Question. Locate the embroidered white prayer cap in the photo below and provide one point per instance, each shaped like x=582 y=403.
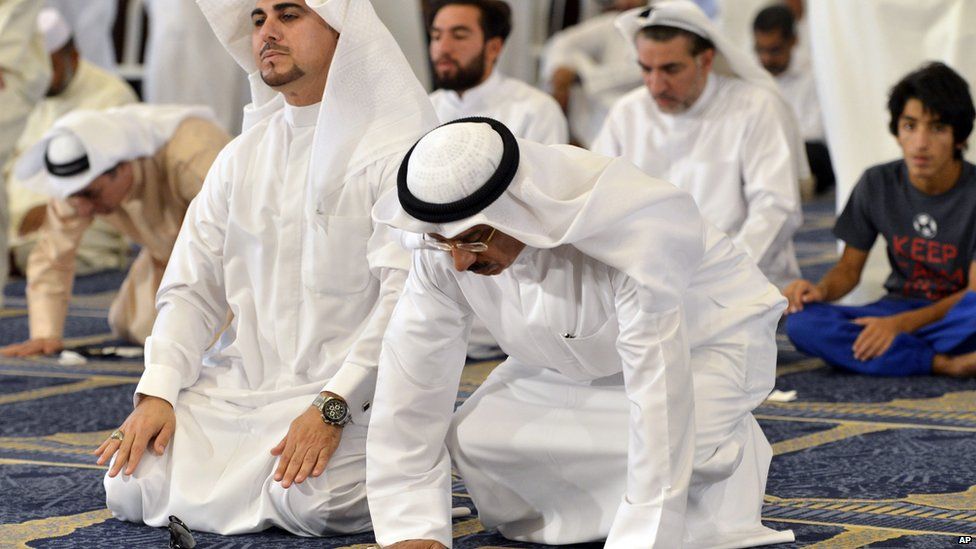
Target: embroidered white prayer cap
x=84 y=144
x=453 y=162
x=54 y=28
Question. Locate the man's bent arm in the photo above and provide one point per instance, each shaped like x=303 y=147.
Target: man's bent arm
x=51 y=270
x=657 y=374
x=845 y=275
x=388 y=262
x=771 y=186
x=191 y=303
x=408 y=469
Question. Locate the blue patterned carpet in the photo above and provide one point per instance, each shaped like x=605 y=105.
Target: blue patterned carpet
x=860 y=462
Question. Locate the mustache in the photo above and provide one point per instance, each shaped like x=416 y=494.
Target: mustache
x=271 y=46
x=449 y=59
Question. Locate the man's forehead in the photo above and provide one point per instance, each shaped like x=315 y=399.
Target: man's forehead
x=457 y=15
x=264 y=6
x=673 y=50
x=917 y=110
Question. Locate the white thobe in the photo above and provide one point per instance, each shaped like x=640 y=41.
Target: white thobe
x=602 y=60
x=311 y=288
x=209 y=76
x=731 y=152
x=528 y=112
x=798 y=88
x=91 y=88
x=91 y=23
x=542 y=445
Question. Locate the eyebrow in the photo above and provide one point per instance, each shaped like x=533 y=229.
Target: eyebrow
x=278 y=7
x=455 y=28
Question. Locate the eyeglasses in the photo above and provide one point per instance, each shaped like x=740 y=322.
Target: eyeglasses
x=448 y=246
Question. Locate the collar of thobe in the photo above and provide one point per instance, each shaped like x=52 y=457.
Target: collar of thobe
x=730 y=60
x=373 y=106
x=606 y=208
x=302 y=117
x=482 y=94
x=108 y=136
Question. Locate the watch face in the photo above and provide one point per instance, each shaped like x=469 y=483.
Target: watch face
x=334 y=410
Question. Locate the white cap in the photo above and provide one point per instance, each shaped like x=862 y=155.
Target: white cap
x=453 y=161
x=65 y=148
x=56 y=31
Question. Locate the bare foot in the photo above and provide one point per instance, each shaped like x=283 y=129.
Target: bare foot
x=955 y=365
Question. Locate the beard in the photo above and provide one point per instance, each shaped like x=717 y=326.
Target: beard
x=465 y=77
x=274 y=79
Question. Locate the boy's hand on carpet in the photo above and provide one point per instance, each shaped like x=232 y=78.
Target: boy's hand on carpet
x=800 y=292
x=306 y=449
x=152 y=423
x=876 y=337
x=33 y=347
x=417 y=544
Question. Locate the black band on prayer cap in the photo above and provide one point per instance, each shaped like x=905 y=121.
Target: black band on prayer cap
x=475 y=202
x=74 y=167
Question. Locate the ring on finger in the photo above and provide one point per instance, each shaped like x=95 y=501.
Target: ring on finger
x=117 y=435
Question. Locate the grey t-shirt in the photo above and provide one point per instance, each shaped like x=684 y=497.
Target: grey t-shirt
x=931 y=238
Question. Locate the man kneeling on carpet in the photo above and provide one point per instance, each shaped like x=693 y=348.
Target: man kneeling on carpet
x=924 y=206
x=137 y=167
x=639 y=341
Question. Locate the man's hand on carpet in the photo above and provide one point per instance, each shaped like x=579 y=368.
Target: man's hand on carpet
x=876 y=337
x=33 y=347
x=801 y=292
x=306 y=449
x=417 y=544
x=153 y=422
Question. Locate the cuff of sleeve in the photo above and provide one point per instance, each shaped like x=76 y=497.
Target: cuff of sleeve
x=416 y=514
x=159 y=381
x=645 y=525
x=355 y=384
x=46 y=319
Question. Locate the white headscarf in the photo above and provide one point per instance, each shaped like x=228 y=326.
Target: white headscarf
x=606 y=208
x=729 y=59
x=373 y=105
x=108 y=137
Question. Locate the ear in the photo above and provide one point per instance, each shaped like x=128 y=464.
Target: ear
x=707 y=58
x=493 y=49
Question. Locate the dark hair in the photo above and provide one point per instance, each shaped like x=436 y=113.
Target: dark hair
x=776 y=18
x=665 y=33
x=495 y=20
x=943 y=93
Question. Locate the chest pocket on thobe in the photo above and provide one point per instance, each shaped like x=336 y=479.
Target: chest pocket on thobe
x=334 y=259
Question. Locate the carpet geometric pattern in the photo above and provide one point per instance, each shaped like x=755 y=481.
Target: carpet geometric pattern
x=859 y=462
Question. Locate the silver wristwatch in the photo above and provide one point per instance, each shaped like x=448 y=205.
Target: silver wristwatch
x=334 y=410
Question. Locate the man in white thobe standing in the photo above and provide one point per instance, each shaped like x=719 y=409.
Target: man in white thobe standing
x=267 y=425
x=639 y=339
x=466 y=39
x=730 y=141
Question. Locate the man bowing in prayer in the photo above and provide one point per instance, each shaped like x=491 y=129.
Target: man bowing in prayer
x=267 y=425
x=728 y=139
x=639 y=341
x=136 y=168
